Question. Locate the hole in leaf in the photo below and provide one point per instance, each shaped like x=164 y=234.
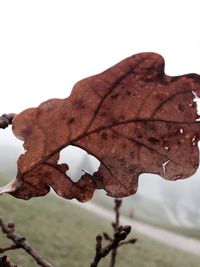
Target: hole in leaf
x=78 y=161
x=197 y=101
x=164 y=166
x=167 y=148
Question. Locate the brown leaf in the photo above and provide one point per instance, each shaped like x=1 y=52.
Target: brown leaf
x=133 y=118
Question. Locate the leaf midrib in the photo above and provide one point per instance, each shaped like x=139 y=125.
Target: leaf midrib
x=109 y=126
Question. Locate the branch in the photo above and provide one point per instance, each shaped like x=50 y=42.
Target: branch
x=118 y=239
x=103 y=252
x=6 y=120
x=20 y=242
x=115 y=226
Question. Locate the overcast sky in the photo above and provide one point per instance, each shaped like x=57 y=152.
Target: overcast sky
x=47 y=46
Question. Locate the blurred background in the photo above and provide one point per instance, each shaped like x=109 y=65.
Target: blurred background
x=45 y=48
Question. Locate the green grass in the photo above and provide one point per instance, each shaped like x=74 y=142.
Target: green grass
x=144 y=209
x=147 y=211
x=65 y=235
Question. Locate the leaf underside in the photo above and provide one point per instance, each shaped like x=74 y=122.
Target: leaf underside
x=133 y=118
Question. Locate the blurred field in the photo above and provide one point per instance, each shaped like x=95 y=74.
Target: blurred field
x=65 y=235
x=148 y=211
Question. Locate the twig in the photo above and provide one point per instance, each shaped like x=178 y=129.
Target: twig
x=20 y=242
x=115 y=226
x=103 y=252
x=5 y=262
x=118 y=239
x=130 y=241
x=6 y=120
x=11 y=247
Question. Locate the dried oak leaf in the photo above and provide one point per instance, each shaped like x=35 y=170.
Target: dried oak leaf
x=133 y=118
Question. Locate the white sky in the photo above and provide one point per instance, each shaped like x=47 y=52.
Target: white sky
x=47 y=46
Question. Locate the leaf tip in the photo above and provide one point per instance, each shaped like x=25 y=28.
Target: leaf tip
x=10 y=187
